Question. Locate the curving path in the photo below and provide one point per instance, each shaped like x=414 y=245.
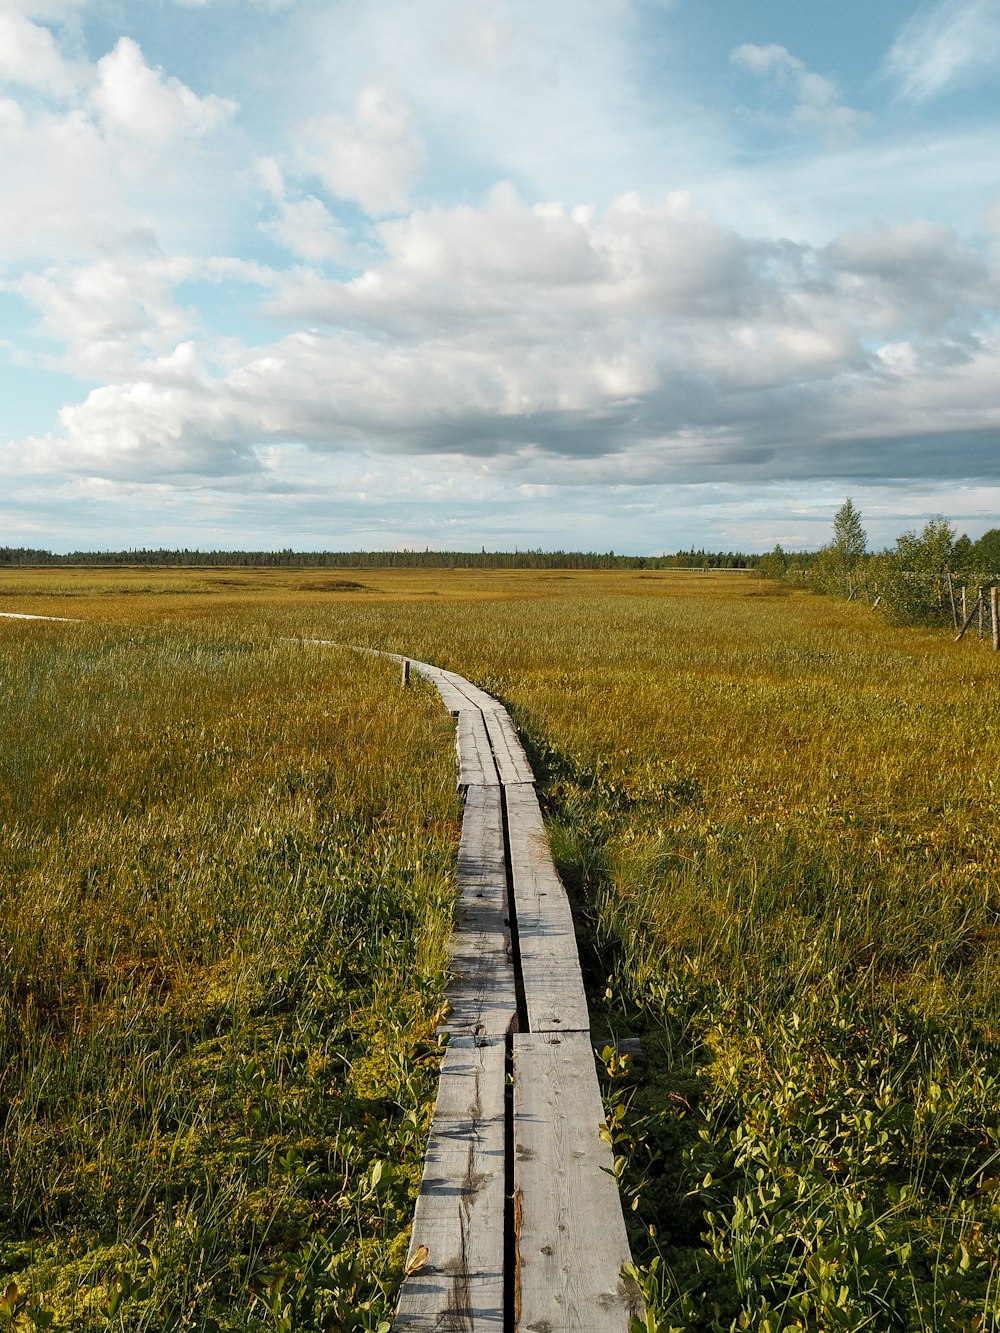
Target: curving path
x=518 y=1209
x=518 y=1224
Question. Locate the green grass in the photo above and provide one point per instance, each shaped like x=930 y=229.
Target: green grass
x=782 y=814
x=225 y=895
x=780 y=817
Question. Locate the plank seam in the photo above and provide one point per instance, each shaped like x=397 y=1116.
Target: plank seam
x=515 y=939
x=511 y=1221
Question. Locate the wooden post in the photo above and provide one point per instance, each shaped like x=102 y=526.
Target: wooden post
x=965 y=609
x=996 y=619
x=976 y=606
x=406 y=672
x=982 y=610
x=951 y=599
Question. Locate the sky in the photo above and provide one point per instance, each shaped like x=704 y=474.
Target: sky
x=637 y=275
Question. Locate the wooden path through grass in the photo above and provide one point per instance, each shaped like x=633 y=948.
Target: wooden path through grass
x=780 y=813
x=519 y=1223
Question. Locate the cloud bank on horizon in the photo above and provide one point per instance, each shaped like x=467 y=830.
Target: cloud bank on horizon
x=463 y=272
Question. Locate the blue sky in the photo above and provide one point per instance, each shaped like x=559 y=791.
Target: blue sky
x=638 y=274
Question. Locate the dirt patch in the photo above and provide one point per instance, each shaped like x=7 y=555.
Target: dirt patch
x=336 y=585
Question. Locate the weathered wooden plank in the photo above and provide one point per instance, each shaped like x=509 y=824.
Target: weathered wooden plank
x=470 y=764
x=460 y=1209
x=550 y=962
x=475 y=755
x=477 y=697
x=481 y=995
x=512 y=762
x=25 y=615
x=572 y=1242
x=453 y=699
x=571 y=1239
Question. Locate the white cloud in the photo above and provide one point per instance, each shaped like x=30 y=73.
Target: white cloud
x=917 y=275
x=30 y=57
x=817 y=105
x=373 y=158
x=945 y=44
x=494 y=339
x=169 y=423
x=115 y=316
x=642 y=342
x=305 y=227
x=57 y=177
x=773 y=60
x=565 y=107
x=134 y=100
x=117 y=157
x=537 y=265
x=111 y=313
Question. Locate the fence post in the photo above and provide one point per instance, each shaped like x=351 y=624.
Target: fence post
x=982 y=611
x=951 y=599
x=976 y=606
x=965 y=609
x=406 y=672
x=996 y=620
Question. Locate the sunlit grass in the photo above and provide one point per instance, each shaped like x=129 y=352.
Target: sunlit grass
x=782 y=816
x=225 y=897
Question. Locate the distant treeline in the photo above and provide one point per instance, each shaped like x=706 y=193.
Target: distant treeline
x=288 y=559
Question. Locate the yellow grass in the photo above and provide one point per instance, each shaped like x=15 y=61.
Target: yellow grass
x=782 y=815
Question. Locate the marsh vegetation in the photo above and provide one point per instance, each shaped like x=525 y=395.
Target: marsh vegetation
x=225 y=897
x=225 y=903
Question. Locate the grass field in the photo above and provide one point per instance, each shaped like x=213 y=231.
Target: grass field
x=223 y=852
x=225 y=898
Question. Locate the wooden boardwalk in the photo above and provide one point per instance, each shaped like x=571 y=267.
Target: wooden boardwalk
x=518 y=1225
x=519 y=1222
